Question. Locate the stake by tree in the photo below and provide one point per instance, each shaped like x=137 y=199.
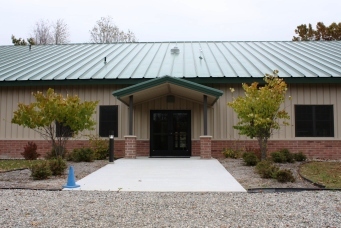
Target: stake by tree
x=259 y=110
x=56 y=118
x=105 y=31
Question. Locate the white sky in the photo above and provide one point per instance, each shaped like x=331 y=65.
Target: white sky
x=172 y=20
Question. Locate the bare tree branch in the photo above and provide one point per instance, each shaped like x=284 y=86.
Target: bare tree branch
x=60 y=32
x=42 y=33
x=105 y=31
x=51 y=33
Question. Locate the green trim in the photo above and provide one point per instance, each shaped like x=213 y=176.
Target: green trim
x=72 y=82
x=291 y=80
x=218 y=80
x=158 y=81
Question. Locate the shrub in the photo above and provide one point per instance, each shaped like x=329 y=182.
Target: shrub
x=30 y=151
x=56 y=152
x=100 y=147
x=230 y=153
x=82 y=155
x=289 y=157
x=57 y=166
x=284 y=176
x=282 y=156
x=300 y=156
x=250 y=158
x=40 y=170
x=256 y=151
x=278 y=157
x=266 y=169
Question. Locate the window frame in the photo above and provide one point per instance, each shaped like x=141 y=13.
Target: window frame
x=314 y=122
x=102 y=123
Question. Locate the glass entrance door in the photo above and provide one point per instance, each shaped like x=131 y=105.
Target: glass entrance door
x=170 y=133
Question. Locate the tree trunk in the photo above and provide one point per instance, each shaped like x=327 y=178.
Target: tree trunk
x=263 y=143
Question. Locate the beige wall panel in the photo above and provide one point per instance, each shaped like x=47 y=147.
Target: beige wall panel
x=3 y=112
x=223 y=121
x=336 y=99
x=221 y=117
x=327 y=90
x=10 y=97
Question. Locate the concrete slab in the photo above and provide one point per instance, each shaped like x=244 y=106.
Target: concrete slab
x=161 y=175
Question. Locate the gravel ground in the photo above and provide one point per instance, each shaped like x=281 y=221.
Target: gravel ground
x=32 y=208
x=247 y=177
x=23 y=179
x=39 y=208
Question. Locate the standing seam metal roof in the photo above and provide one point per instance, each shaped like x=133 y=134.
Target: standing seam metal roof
x=154 y=59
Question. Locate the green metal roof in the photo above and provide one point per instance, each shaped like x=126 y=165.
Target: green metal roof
x=191 y=60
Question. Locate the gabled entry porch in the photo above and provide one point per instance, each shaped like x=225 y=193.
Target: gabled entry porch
x=170 y=125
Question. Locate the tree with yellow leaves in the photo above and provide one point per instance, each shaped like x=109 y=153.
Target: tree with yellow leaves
x=56 y=118
x=259 y=110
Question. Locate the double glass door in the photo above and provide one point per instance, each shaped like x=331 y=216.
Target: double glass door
x=170 y=133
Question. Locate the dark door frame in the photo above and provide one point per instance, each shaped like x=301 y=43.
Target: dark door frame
x=171 y=151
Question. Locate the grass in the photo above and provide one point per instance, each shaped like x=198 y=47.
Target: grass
x=325 y=173
x=8 y=165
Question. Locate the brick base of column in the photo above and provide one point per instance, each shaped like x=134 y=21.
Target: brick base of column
x=205 y=147
x=130 y=146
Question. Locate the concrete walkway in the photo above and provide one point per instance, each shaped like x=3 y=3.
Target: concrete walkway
x=161 y=175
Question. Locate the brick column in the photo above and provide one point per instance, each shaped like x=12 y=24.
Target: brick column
x=205 y=147
x=130 y=146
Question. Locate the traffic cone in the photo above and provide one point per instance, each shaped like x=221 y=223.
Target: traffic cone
x=71 y=180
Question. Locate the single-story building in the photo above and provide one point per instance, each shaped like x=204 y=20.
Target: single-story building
x=169 y=99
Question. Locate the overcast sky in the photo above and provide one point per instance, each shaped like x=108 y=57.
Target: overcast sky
x=171 y=20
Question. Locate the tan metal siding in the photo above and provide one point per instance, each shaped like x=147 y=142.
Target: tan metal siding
x=11 y=96
x=224 y=119
x=221 y=118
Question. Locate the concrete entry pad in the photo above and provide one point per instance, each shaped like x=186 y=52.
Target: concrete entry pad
x=162 y=175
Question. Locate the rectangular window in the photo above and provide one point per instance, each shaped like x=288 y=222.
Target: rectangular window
x=314 y=121
x=108 y=120
x=63 y=131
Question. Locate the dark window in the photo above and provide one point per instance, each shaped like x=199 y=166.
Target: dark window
x=108 y=120
x=63 y=131
x=314 y=121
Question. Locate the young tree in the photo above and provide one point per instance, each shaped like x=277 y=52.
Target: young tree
x=105 y=31
x=56 y=118
x=259 y=111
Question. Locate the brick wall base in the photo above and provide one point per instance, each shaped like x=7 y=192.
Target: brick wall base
x=10 y=149
x=205 y=147
x=323 y=149
x=130 y=148
x=313 y=149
